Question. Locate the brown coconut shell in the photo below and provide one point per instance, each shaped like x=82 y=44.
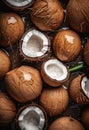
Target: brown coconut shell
x=78 y=16
x=47 y=15
x=24 y=83
x=7 y=109
x=54 y=100
x=66 y=123
x=86 y=53
x=11 y=29
x=76 y=91
x=4 y=63
x=66 y=45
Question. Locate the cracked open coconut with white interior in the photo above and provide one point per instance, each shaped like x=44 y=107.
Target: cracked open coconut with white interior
x=54 y=72
x=34 y=46
x=79 y=89
x=31 y=117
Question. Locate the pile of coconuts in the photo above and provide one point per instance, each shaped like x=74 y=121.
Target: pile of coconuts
x=44 y=65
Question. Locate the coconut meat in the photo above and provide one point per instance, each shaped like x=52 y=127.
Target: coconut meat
x=35 y=44
x=31 y=118
x=85 y=86
x=55 y=69
x=19 y=3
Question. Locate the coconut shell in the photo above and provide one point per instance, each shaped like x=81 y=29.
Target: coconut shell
x=78 y=15
x=24 y=83
x=66 y=123
x=4 y=63
x=7 y=109
x=11 y=29
x=66 y=45
x=54 y=100
x=86 y=53
x=76 y=91
x=47 y=15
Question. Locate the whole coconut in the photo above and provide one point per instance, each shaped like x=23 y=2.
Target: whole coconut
x=47 y=15
x=66 y=123
x=78 y=15
x=7 y=109
x=24 y=83
x=11 y=29
x=86 y=53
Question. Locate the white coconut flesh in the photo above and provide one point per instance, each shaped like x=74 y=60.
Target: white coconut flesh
x=85 y=86
x=35 y=44
x=55 y=69
x=19 y=3
x=31 y=118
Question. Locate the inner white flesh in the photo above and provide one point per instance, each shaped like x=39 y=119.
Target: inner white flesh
x=31 y=118
x=85 y=86
x=19 y=3
x=55 y=69
x=35 y=44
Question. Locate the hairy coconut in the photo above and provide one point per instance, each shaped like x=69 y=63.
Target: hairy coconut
x=78 y=16
x=47 y=15
x=86 y=53
x=24 y=83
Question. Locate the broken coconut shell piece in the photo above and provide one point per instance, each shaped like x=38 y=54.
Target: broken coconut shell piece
x=54 y=72
x=34 y=46
x=18 y=5
x=79 y=89
x=31 y=117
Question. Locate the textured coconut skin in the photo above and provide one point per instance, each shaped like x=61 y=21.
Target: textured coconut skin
x=47 y=15
x=66 y=123
x=78 y=16
x=76 y=91
x=7 y=109
x=64 y=49
x=4 y=63
x=11 y=29
x=86 y=53
x=21 y=89
x=55 y=100
x=85 y=117
x=49 y=80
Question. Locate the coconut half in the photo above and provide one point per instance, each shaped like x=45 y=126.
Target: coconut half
x=34 y=45
x=31 y=117
x=85 y=85
x=54 y=72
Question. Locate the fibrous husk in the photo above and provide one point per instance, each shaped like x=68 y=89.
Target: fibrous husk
x=86 y=53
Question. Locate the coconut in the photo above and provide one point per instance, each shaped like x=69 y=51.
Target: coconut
x=66 y=123
x=54 y=72
x=66 y=45
x=54 y=100
x=11 y=29
x=79 y=89
x=47 y=15
x=86 y=53
x=24 y=83
x=34 y=46
x=31 y=117
x=78 y=16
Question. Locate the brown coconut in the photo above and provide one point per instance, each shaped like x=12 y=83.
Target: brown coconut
x=86 y=53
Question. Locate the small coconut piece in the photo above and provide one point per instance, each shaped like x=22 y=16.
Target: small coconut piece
x=34 y=46
x=86 y=53
x=11 y=29
x=24 y=83
x=66 y=45
x=31 y=117
x=7 y=109
x=54 y=100
x=54 y=72
x=18 y=5
x=85 y=117
x=47 y=15
x=66 y=123
x=79 y=89
x=78 y=16
x=4 y=63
